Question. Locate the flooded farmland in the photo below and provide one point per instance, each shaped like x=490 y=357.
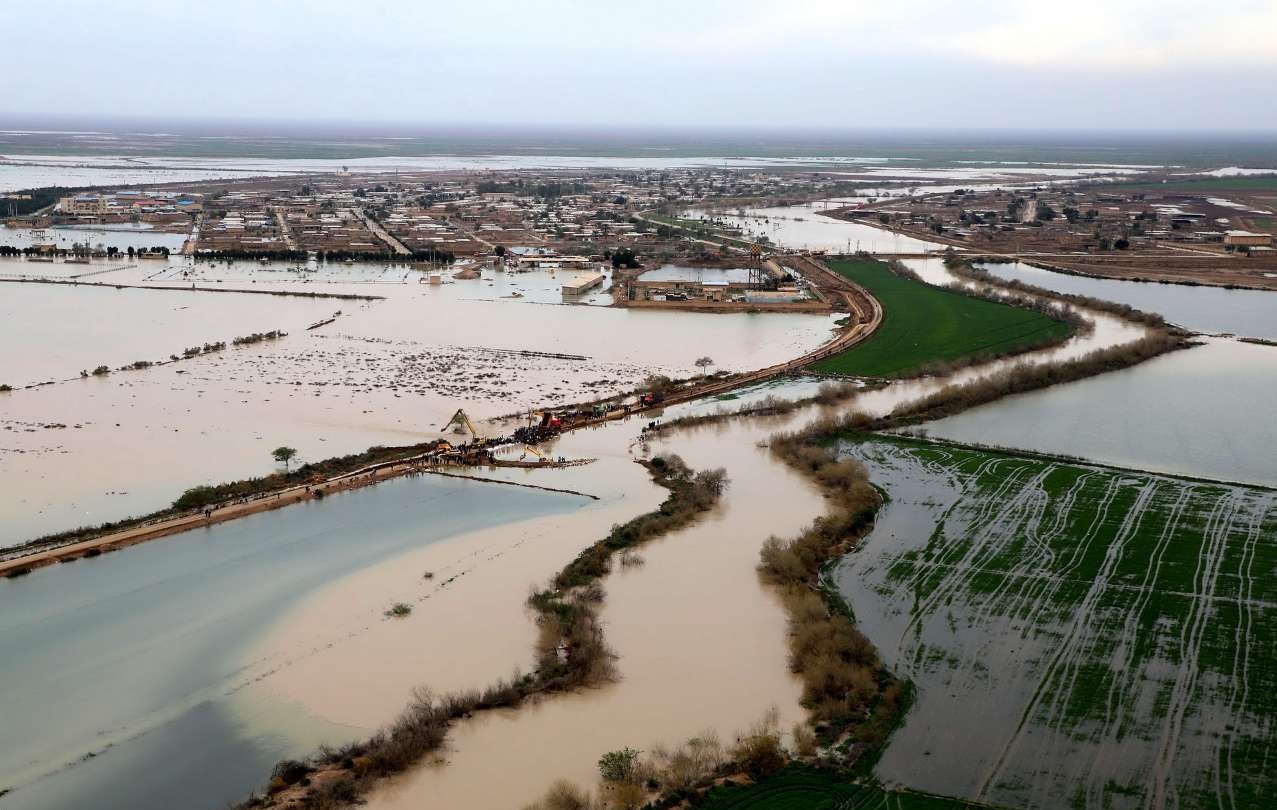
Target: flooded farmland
x=1102 y=629
x=384 y=372
x=1016 y=594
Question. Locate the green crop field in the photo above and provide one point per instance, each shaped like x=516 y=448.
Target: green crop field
x=1078 y=636
x=924 y=324
x=800 y=788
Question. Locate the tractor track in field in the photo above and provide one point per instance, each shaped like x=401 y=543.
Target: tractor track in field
x=1098 y=626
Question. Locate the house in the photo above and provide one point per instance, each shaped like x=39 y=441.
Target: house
x=1247 y=239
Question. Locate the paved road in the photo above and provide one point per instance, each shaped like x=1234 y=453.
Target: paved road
x=285 y=231
x=382 y=234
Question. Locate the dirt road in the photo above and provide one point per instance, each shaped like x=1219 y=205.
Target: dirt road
x=866 y=317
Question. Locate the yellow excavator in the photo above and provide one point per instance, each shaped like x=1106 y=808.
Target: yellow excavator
x=527 y=448
x=461 y=423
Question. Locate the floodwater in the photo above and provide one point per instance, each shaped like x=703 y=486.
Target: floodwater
x=672 y=641
x=1198 y=412
x=804 y=227
x=701 y=644
x=307 y=631
x=673 y=272
x=1076 y=635
x=1249 y=313
x=131 y=679
x=1205 y=412
x=81 y=328
x=20 y=171
x=328 y=665
x=122 y=236
x=385 y=372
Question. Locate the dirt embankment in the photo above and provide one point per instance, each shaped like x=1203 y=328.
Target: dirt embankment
x=242 y=507
x=866 y=316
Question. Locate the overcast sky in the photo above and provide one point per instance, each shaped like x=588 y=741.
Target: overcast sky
x=1162 y=64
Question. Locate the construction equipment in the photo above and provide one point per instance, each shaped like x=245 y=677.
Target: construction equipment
x=527 y=448
x=460 y=423
x=535 y=433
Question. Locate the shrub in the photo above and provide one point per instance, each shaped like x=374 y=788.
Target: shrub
x=618 y=766
x=760 y=754
x=804 y=741
x=399 y=610
x=563 y=795
x=290 y=771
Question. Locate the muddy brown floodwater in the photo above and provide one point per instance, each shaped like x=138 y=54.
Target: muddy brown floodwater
x=701 y=642
x=385 y=372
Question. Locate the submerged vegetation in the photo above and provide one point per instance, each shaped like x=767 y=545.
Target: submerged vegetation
x=1075 y=597
x=803 y=787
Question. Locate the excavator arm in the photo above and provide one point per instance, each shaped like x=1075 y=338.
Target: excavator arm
x=461 y=420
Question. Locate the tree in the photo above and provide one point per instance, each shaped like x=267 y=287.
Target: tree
x=618 y=766
x=624 y=257
x=703 y=363
x=284 y=455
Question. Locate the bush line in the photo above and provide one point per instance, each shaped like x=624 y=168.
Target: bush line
x=570 y=649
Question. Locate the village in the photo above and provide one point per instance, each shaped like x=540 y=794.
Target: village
x=453 y=224
x=1203 y=231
